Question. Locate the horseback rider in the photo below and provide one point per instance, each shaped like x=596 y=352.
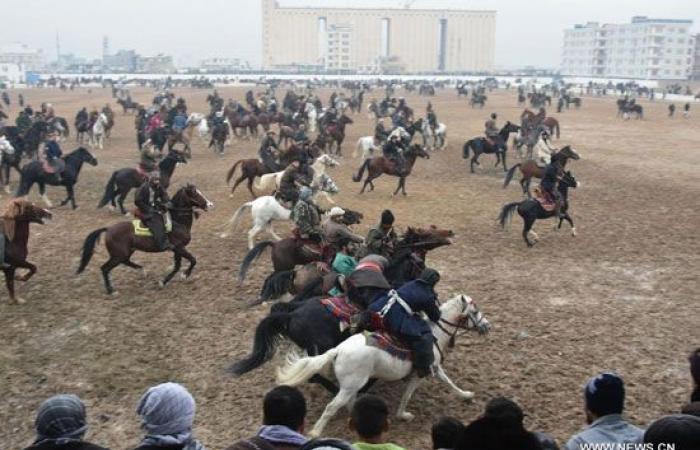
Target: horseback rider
x=491 y=131
x=140 y=123
x=24 y=121
x=268 y=152
x=432 y=118
x=398 y=311
x=306 y=217
x=548 y=185
x=335 y=231
x=81 y=117
x=393 y=150
x=179 y=121
x=293 y=177
x=149 y=159
x=53 y=153
x=343 y=264
x=152 y=201
x=382 y=240
x=380 y=133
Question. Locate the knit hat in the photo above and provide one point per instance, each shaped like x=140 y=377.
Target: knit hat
x=387 y=217
x=605 y=394
x=679 y=429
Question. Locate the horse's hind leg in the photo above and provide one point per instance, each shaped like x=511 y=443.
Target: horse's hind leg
x=106 y=269
x=568 y=218
x=120 y=200
x=398 y=187
x=527 y=229
x=344 y=396
x=44 y=197
x=401 y=413
x=238 y=181
x=192 y=260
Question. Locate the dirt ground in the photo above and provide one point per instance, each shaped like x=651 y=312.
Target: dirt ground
x=622 y=295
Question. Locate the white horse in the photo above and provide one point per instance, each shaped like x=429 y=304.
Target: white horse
x=270 y=182
x=267 y=209
x=439 y=138
x=355 y=363
x=196 y=121
x=6 y=148
x=97 y=133
x=366 y=145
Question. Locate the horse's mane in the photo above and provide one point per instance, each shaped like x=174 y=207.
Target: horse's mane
x=15 y=208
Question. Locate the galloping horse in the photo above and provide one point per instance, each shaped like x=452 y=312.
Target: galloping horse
x=124 y=180
x=122 y=240
x=550 y=122
x=128 y=105
x=34 y=172
x=529 y=169
x=250 y=170
x=381 y=165
x=19 y=214
x=336 y=133
x=219 y=135
x=530 y=210
x=480 y=145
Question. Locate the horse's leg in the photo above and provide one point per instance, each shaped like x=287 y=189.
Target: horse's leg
x=568 y=218
x=527 y=187
x=398 y=186
x=120 y=200
x=106 y=269
x=440 y=372
x=10 y=283
x=251 y=235
x=176 y=268
x=272 y=231
x=192 y=260
x=475 y=159
x=411 y=387
x=25 y=265
x=133 y=265
x=504 y=161
x=341 y=399
x=238 y=181
x=403 y=185
x=527 y=229
x=44 y=197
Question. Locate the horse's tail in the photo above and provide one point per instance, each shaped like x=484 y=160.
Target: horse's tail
x=89 y=248
x=509 y=175
x=465 y=149
x=299 y=370
x=507 y=213
x=233 y=221
x=556 y=127
x=109 y=190
x=276 y=285
x=252 y=256
x=267 y=335
x=229 y=175
x=358 y=176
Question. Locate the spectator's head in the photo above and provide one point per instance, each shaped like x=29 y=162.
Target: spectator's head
x=680 y=429
x=387 y=219
x=61 y=419
x=489 y=433
x=506 y=410
x=167 y=410
x=286 y=406
x=694 y=360
x=445 y=432
x=327 y=444
x=370 y=418
x=604 y=394
x=692 y=409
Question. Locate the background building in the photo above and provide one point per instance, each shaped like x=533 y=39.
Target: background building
x=645 y=49
x=348 y=39
x=26 y=57
x=695 y=73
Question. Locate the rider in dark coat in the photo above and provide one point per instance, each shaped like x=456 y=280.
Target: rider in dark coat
x=292 y=178
x=380 y=133
x=393 y=150
x=152 y=202
x=549 y=183
x=399 y=313
x=53 y=153
x=266 y=152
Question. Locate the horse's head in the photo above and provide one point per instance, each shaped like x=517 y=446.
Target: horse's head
x=568 y=152
x=85 y=156
x=24 y=210
x=462 y=312
x=189 y=196
x=345 y=120
x=510 y=127
x=426 y=238
x=417 y=151
x=178 y=156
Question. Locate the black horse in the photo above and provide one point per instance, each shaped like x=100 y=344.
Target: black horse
x=480 y=145
x=33 y=172
x=531 y=210
x=124 y=180
x=219 y=135
x=34 y=136
x=11 y=160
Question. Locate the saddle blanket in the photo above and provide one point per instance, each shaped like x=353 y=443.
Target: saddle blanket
x=341 y=308
x=142 y=230
x=545 y=200
x=389 y=344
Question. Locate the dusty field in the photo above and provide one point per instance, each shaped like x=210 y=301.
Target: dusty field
x=623 y=295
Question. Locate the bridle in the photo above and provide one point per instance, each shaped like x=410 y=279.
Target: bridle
x=462 y=324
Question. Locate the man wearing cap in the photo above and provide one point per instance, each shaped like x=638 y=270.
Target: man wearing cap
x=334 y=230
x=152 y=200
x=53 y=153
x=604 y=397
x=398 y=311
x=305 y=216
x=292 y=178
x=382 y=240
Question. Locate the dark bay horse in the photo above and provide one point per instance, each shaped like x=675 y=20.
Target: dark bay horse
x=128 y=105
x=550 y=122
x=121 y=240
x=219 y=134
x=529 y=169
x=34 y=136
x=250 y=170
x=33 y=172
x=530 y=210
x=480 y=145
x=19 y=214
x=124 y=180
x=311 y=326
x=335 y=134
x=380 y=165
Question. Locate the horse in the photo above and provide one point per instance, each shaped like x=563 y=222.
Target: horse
x=480 y=145
x=196 y=121
x=128 y=105
x=380 y=165
x=355 y=361
x=550 y=122
x=367 y=146
x=477 y=99
x=635 y=109
x=60 y=125
x=270 y=182
x=336 y=133
x=9 y=157
x=34 y=172
x=250 y=170
x=439 y=136
x=529 y=169
x=82 y=129
x=19 y=214
x=124 y=180
x=122 y=241
x=530 y=210
x=98 y=130
x=219 y=135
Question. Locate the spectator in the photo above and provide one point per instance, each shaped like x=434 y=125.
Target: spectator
x=445 y=432
x=61 y=424
x=370 y=421
x=490 y=433
x=284 y=413
x=327 y=444
x=694 y=360
x=692 y=409
x=604 y=397
x=679 y=429
x=513 y=416
x=167 y=412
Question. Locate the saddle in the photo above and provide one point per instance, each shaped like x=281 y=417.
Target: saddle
x=142 y=230
x=546 y=201
x=331 y=129
x=390 y=344
x=309 y=247
x=341 y=308
x=143 y=173
x=55 y=168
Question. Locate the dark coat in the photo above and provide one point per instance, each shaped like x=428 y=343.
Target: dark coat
x=150 y=200
x=258 y=443
x=82 y=445
x=53 y=150
x=549 y=178
x=421 y=298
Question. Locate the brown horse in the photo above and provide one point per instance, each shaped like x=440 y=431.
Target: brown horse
x=335 y=134
x=19 y=214
x=381 y=165
x=529 y=169
x=250 y=170
x=122 y=241
x=550 y=122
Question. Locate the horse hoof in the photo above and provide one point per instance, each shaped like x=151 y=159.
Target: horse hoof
x=20 y=301
x=161 y=284
x=406 y=416
x=184 y=276
x=573 y=232
x=556 y=227
x=223 y=235
x=466 y=395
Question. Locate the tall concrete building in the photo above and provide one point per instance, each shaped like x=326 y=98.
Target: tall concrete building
x=643 y=49
x=695 y=73
x=347 y=39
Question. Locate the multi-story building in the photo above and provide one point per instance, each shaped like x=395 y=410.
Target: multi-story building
x=347 y=39
x=695 y=73
x=643 y=49
x=222 y=65
x=122 y=61
x=155 y=64
x=26 y=57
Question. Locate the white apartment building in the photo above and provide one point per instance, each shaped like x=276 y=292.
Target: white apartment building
x=643 y=49
x=23 y=55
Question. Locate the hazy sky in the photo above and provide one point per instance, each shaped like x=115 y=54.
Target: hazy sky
x=528 y=32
